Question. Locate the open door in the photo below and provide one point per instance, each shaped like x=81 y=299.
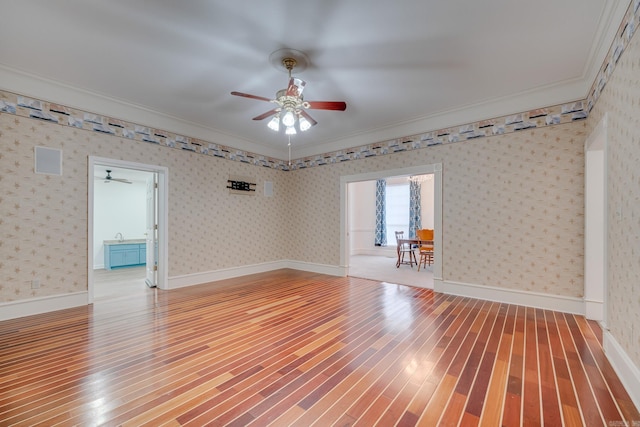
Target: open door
x=152 y=232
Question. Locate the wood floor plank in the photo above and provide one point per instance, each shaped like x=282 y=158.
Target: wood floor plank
x=435 y=408
x=491 y=412
x=512 y=412
x=588 y=405
x=531 y=407
x=399 y=371
x=331 y=383
x=550 y=407
x=430 y=353
x=610 y=409
x=476 y=400
x=291 y=348
x=570 y=409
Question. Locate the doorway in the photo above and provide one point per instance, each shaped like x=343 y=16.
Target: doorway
x=346 y=229
x=127 y=216
x=372 y=257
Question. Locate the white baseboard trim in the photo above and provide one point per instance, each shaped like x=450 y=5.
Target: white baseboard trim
x=230 y=273
x=331 y=270
x=380 y=251
x=29 y=307
x=594 y=310
x=627 y=371
x=528 y=299
x=227 y=273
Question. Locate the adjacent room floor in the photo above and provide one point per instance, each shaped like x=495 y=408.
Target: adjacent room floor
x=384 y=269
x=118 y=283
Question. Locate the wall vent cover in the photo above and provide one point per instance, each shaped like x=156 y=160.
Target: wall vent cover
x=48 y=161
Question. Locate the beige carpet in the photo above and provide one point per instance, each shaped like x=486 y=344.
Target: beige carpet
x=384 y=269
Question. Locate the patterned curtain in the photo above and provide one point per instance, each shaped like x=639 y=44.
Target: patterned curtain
x=381 y=215
x=415 y=216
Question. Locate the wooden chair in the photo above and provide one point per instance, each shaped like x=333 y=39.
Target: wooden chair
x=425 y=249
x=403 y=249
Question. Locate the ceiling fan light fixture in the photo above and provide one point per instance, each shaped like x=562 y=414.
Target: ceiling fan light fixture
x=289 y=119
x=274 y=123
x=290 y=102
x=304 y=124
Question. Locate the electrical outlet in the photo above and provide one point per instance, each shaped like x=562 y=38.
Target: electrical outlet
x=35 y=284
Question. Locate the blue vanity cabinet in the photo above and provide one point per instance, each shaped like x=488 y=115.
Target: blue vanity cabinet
x=124 y=254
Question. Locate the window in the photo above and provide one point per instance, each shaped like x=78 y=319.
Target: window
x=397 y=204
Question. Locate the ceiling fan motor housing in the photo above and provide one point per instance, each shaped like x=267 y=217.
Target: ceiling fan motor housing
x=289 y=64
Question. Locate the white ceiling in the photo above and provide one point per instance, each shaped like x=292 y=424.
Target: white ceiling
x=403 y=67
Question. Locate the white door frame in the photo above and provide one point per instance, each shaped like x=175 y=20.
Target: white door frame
x=151 y=234
x=595 y=224
x=163 y=203
x=435 y=169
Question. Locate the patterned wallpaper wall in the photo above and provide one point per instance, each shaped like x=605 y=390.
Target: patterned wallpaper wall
x=513 y=208
x=43 y=218
x=621 y=101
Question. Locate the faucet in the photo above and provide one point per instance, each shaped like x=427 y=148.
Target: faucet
x=121 y=237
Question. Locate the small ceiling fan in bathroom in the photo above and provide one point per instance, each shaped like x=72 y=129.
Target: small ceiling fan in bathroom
x=109 y=178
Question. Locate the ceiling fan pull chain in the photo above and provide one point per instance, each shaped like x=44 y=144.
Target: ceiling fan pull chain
x=289 y=145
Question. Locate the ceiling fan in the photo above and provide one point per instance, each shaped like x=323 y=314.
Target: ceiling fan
x=291 y=105
x=109 y=178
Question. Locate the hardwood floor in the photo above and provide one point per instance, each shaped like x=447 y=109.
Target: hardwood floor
x=289 y=348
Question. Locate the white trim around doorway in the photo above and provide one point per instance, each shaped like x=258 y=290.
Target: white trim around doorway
x=163 y=216
x=435 y=169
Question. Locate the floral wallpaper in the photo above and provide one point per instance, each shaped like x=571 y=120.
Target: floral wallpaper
x=43 y=218
x=620 y=101
x=513 y=208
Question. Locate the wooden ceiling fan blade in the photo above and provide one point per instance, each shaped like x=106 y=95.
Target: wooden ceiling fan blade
x=248 y=95
x=267 y=114
x=308 y=117
x=327 y=105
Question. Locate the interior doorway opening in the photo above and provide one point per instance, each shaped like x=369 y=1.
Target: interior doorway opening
x=347 y=229
x=127 y=228
x=377 y=209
